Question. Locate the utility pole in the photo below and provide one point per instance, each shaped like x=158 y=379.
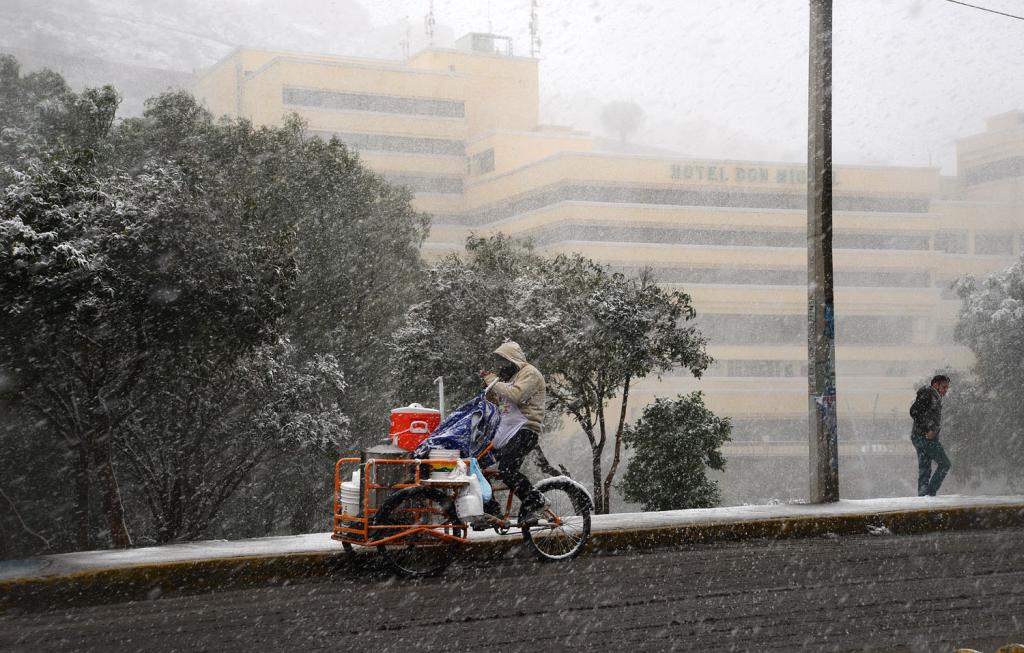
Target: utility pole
x=821 y=332
x=534 y=29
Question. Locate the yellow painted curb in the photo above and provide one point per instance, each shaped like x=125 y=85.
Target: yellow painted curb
x=149 y=581
x=905 y=522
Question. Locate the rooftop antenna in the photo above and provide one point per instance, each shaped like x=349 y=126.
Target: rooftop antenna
x=534 y=29
x=428 y=24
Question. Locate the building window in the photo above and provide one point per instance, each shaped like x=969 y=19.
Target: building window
x=951 y=242
x=995 y=170
x=722 y=237
x=791 y=329
x=567 y=192
x=763 y=277
x=422 y=184
x=879 y=241
x=945 y=333
x=482 y=162
x=390 y=143
x=727 y=329
x=884 y=279
x=758 y=368
x=881 y=428
x=993 y=244
x=873 y=329
x=378 y=103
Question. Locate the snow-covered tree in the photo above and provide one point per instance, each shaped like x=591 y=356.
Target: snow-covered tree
x=355 y=238
x=468 y=305
x=194 y=308
x=591 y=332
x=202 y=435
x=675 y=443
x=94 y=292
x=39 y=114
x=984 y=411
x=606 y=331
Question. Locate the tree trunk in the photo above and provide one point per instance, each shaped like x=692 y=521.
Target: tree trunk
x=599 y=503
x=112 y=505
x=618 y=448
x=81 y=509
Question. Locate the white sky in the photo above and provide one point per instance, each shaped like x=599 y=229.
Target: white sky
x=717 y=78
x=910 y=75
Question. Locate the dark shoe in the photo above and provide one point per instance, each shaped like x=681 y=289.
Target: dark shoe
x=492 y=507
x=483 y=522
x=535 y=516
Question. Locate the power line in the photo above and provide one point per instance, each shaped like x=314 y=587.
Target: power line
x=993 y=11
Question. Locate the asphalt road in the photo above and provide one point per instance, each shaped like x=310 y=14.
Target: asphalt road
x=881 y=593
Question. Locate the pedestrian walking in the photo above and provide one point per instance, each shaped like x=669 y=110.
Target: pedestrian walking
x=927 y=413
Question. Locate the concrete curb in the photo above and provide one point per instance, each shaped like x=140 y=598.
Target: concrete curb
x=148 y=581
x=898 y=523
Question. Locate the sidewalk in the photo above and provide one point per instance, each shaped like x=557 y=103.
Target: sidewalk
x=212 y=564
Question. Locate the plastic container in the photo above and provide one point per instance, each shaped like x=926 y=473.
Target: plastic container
x=410 y=425
x=446 y=471
x=470 y=503
x=350 y=498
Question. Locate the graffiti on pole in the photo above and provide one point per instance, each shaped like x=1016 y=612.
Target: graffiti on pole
x=826 y=401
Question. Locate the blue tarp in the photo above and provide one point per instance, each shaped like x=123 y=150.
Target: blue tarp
x=469 y=428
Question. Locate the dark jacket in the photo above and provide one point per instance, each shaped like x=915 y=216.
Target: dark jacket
x=927 y=412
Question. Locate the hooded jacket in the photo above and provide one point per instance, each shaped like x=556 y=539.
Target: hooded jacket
x=526 y=388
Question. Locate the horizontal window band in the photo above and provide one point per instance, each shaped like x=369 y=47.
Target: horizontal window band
x=375 y=103
x=390 y=143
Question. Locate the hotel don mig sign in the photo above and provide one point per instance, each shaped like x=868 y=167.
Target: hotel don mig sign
x=741 y=175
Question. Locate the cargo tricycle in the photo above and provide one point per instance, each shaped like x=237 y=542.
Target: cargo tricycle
x=406 y=507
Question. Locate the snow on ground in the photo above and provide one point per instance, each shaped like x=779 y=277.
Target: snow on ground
x=70 y=563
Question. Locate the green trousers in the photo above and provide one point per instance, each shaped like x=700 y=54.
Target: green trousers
x=929 y=451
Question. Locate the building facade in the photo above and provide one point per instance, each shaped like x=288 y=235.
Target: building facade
x=460 y=128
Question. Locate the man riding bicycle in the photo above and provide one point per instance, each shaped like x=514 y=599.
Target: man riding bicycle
x=518 y=389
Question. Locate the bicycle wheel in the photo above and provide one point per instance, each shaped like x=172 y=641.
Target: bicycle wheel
x=420 y=554
x=564 y=534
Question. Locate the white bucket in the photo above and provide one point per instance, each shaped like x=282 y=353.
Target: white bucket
x=350 y=498
x=443 y=454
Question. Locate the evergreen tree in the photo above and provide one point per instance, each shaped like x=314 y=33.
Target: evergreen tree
x=592 y=333
x=983 y=415
x=675 y=443
x=197 y=310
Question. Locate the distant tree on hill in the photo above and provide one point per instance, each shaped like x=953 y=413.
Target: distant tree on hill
x=622 y=118
x=39 y=114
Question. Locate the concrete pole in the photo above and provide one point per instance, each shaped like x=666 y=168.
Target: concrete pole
x=821 y=346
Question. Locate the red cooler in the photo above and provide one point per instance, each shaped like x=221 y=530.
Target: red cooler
x=410 y=425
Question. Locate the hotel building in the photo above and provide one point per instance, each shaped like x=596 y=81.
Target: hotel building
x=460 y=128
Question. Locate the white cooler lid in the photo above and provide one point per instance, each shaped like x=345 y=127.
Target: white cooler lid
x=414 y=408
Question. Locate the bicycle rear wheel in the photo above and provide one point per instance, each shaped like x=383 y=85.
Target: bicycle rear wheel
x=419 y=554
x=564 y=533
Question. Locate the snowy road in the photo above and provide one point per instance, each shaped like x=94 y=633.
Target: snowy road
x=921 y=593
